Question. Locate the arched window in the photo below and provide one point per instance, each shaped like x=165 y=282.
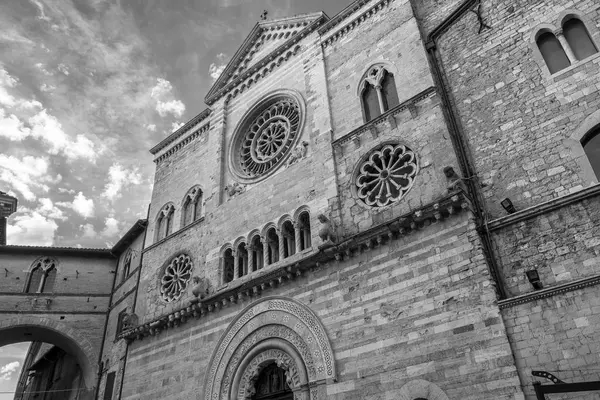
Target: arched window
x=552 y=51
x=304 y=224
x=228 y=266
x=242 y=260
x=126 y=266
x=272 y=385
x=272 y=248
x=42 y=276
x=289 y=239
x=591 y=146
x=164 y=222
x=192 y=206
x=378 y=92
x=578 y=38
x=257 y=253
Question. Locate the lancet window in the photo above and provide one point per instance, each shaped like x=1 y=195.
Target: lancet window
x=591 y=146
x=378 y=92
x=164 y=222
x=192 y=206
x=304 y=231
x=42 y=276
x=289 y=239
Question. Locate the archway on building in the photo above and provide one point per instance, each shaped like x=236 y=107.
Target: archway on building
x=60 y=337
x=271 y=384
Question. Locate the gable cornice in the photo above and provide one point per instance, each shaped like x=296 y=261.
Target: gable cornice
x=181 y=131
x=220 y=87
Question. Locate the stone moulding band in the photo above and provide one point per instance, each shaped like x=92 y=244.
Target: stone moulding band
x=549 y=292
x=181 y=131
x=425 y=94
x=182 y=143
x=441 y=209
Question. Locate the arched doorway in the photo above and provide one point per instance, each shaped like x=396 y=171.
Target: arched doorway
x=35 y=329
x=272 y=384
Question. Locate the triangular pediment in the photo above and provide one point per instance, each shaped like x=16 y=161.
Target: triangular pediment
x=265 y=38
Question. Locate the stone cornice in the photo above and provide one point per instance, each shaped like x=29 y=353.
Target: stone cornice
x=272 y=60
x=351 y=24
x=187 y=140
x=549 y=292
x=544 y=208
x=52 y=251
x=430 y=91
x=289 y=269
x=181 y=131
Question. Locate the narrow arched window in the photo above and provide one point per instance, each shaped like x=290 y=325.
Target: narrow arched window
x=42 y=276
x=378 y=92
x=192 y=206
x=552 y=51
x=257 y=253
x=304 y=223
x=126 y=266
x=242 y=260
x=591 y=146
x=579 y=38
x=228 y=266
x=164 y=222
x=289 y=239
x=272 y=248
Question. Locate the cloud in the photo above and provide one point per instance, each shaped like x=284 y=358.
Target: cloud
x=111 y=227
x=26 y=175
x=33 y=229
x=151 y=127
x=216 y=69
x=11 y=127
x=63 y=190
x=176 y=125
x=117 y=177
x=88 y=231
x=83 y=206
x=49 y=210
x=7 y=370
x=165 y=104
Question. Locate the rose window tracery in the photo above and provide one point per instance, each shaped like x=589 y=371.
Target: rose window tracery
x=267 y=137
x=176 y=277
x=386 y=175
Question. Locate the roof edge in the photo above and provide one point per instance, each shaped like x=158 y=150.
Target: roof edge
x=181 y=131
x=128 y=237
x=49 y=250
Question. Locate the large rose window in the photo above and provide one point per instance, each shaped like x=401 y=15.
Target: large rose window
x=266 y=137
x=386 y=175
x=176 y=277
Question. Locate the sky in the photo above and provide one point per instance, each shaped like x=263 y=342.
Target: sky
x=87 y=87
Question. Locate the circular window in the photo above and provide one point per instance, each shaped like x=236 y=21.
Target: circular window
x=386 y=175
x=266 y=136
x=176 y=278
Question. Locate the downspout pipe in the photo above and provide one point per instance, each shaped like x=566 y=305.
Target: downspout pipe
x=460 y=143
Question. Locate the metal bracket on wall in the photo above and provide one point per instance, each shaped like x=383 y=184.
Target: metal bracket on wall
x=480 y=18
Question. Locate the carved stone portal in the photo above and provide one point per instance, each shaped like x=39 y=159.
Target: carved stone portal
x=273 y=330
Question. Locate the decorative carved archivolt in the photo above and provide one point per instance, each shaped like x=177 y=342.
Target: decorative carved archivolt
x=273 y=329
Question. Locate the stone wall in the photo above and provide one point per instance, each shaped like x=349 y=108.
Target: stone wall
x=421 y=307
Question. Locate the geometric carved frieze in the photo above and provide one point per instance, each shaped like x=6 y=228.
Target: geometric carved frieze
x=273 y=326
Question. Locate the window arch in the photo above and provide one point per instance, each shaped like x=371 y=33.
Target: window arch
x=378 y=92
x=272 y=254
x=42 y=276
x=304 y=225
x=272 y=384
x=578 y=38
x=288 y=235
x=552 y=51
x=242 y=260
x=127 y=265
x=192 y=206
x=257 y=254
x=164 y=222
x=591 y=147
x=228 y=266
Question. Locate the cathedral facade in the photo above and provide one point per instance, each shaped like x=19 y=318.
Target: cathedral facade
x=397 y=202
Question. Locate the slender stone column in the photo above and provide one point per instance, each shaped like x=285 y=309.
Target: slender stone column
x=250 y=250
x=281 y=244
x=563 y=41
x=235 y=264
x=266 y=258
x=297 y=233
x=379 y=91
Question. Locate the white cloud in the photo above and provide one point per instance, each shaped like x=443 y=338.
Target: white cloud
x=111 y=227
x=26 y=175
x=83 y=206
x=11 y=127
x=117 y=177
x=47 y=88
x=42 y=68
x=32 y=229
x=215 y=70
x=49 y=210
x=165 y=103
x=6 y=81
x=40 y=7
x=63 y=68
x=47 y=128
x=88 y=231
x=151 y=127
x=176 y=125
x=7 y=370
x=63 y=190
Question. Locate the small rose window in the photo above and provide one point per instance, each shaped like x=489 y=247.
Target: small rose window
x=386 y=175
x=176 y=278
